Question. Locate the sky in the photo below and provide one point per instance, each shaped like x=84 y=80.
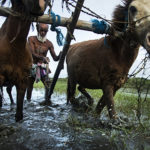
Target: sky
x=103 y=8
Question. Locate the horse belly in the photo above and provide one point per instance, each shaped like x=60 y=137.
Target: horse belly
x=83 y=72
x=90 y=83
x=88 y=78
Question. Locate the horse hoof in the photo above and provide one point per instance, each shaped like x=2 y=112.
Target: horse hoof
x=90 y=102
x=29 y=100
x=12 y=104
x=98 y=110
x=18 y=117
x=47 y=102
x=75 y=103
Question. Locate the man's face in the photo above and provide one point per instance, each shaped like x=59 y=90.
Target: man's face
x=43 y=28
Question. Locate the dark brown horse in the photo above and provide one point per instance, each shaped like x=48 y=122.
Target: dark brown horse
x=105 y=63
x=15 y=57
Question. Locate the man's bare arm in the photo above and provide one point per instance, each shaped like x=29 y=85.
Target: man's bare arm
x=53 y=54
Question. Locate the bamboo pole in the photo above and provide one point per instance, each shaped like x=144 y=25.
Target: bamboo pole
x=70 y=31
x=81 y=24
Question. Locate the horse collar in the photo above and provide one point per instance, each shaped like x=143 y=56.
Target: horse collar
x=106 y=43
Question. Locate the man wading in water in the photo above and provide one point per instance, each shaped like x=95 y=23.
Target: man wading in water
x=39 y=46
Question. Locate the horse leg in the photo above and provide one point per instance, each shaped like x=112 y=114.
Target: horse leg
x=9 y=89
x=101 y=104
x=30 y=88
x=107 y=99
x=20 y=98
x=108 y=96
x=86 y=94
x=71 y=88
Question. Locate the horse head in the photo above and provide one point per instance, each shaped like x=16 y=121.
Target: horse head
x=139 y=21
x=35 y=7
x=29 y=7
x=133 y=16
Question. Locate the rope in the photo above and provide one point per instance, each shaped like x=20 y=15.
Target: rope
x=142 y=63
x=93 y=14
x=56 y=22
x=100 y=27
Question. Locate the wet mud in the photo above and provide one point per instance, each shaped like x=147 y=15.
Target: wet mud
x=62 y=127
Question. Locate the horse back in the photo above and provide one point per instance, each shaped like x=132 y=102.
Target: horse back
x=93 y=63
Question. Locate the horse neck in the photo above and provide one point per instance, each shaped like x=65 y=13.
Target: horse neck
x=130 y=49
x=126 y=49
x=17 y=30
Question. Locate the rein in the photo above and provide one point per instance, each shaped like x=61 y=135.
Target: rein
x=133 y=23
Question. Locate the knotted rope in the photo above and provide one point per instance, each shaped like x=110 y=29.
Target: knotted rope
x=56 y=22
x=100 y=27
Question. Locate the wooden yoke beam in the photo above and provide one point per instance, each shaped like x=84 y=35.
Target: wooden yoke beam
x=81 y=24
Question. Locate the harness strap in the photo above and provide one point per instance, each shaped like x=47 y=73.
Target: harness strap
x=100 y=27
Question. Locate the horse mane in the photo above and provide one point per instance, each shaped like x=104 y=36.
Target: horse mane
x=16 y=5
x=120 y=14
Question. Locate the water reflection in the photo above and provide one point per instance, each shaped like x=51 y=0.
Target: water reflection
x=60 y=127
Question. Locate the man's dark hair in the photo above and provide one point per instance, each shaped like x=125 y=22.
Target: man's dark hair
x=38 y=26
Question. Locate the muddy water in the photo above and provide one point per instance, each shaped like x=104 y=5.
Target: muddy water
x=61 y=127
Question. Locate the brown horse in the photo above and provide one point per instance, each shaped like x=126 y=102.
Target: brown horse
x=15 y=57
x=105 y=63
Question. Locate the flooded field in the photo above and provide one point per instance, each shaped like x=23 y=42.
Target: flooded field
x=61 y=127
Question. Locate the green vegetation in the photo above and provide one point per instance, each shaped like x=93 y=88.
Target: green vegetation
x=60 y=87
x=133 y=110
x=131 y=83
x=135 y=83
x=125 y=99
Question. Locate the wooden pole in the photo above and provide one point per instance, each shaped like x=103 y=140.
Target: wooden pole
x=81 y=24
x=70 y=31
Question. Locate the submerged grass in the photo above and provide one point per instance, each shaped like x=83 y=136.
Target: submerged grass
x=125 y=99
x=126 y=105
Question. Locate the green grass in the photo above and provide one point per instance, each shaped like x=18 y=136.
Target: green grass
x=60 y=87
x=124 y=102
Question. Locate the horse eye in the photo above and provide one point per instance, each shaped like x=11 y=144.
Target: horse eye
x=133 y=10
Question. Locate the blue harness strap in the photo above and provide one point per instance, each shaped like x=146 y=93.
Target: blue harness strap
x=59 y=36
x=105 y=43
x=100 y=27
